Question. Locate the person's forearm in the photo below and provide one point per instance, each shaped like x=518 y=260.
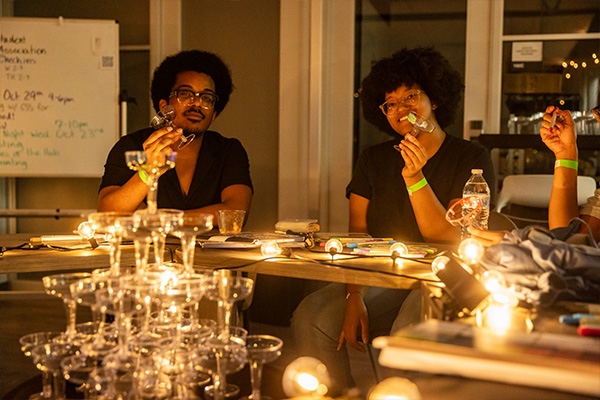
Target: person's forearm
x=431 y=217
x=126 y=198
x=563 y=199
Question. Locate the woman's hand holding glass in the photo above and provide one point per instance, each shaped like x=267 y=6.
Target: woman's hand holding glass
x=415 y=157
x=558 y=133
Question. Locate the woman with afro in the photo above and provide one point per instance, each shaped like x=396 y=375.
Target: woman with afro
x=401 y=189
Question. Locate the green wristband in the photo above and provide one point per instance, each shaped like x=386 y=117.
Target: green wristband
x=143 y=176
x=566 y=163
x=419 y=185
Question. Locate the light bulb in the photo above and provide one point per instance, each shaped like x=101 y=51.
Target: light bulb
x=439 y=263
x=270 y=248
x=333 y=246
x=470 y=251
x=399 y=248
x=86 y=231
x=305 y=376
x=394 y=388
x=493 y=281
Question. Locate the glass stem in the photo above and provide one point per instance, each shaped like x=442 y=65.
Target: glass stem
x=142 y=248
x=188 y=246
x=159 y=248
x=71 y=307
x=256 y=370
x=47 y=386
x=224 y=317
x=152 y=183
x=59 y=386
x=115 y=255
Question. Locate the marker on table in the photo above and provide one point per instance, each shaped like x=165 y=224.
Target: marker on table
x=574 y=319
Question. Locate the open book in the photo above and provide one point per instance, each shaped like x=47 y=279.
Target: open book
x=567 y=363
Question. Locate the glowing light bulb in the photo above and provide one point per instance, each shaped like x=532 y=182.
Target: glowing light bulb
x=564 y=64
x=305 y=376
x=333 y=246
x=568 y=76
x=400 y=249
x=394 y=388
x=493 y=281
x=470 y=251
x=439 y=263
x=307 y=381
x=270 y=248
x=86 y=230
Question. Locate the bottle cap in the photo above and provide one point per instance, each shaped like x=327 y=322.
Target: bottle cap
x=476 y=171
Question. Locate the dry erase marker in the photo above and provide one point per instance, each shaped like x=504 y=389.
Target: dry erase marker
x=589 y=330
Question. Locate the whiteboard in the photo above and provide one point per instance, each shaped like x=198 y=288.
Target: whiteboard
x=59 y=96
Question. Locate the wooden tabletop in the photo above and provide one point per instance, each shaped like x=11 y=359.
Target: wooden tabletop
x=302 y=263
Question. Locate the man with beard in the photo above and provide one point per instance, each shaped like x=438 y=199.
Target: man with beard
x=211 y=172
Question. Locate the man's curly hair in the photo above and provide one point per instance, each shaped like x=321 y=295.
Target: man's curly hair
x=191 y=60
x=425 y=67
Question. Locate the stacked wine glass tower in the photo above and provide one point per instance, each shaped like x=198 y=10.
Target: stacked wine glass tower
x=148 y=338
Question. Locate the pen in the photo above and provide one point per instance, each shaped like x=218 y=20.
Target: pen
x=380 y=243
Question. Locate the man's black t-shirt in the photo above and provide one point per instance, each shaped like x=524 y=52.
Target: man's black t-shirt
x=222 y=162
x=378 y=177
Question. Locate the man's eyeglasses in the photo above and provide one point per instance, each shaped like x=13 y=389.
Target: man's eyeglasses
x=392 y=106
x=187 y=97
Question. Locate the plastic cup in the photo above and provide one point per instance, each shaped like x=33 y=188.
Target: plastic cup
x=231 y=221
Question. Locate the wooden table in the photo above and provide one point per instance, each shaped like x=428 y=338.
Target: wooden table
x=303 y=263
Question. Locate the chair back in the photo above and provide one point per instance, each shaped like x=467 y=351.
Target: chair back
x=534 y=190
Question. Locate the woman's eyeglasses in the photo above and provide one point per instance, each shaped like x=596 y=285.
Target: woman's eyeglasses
x=393 y=106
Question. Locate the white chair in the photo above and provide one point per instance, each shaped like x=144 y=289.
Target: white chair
x=534 y=191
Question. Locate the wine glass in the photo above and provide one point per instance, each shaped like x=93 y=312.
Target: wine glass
x=464 y=212
x=76 y=369
x=261 y=350
x=59 y=285
x=190 y=226
x=226 y=288
x=218 y=358
x=27 y=343
x=109 y=223
x=137 y=161
x=47 y=358
x=157 y=224
x=93 y=292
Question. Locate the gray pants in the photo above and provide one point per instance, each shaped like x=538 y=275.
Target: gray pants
x=317 y=323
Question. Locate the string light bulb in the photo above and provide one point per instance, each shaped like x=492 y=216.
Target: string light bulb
x=306 y=376
x=270 y=248
x=333 y=247
x=394 y=388
x=398 y=249
x=86 y=231
x=439 y=263
x=470 y=250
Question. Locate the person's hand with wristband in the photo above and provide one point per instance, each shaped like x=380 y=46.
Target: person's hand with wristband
x=560 y=137
x=415 y=157
x=558 y=133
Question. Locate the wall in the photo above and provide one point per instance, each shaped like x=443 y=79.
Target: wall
x=246 y=35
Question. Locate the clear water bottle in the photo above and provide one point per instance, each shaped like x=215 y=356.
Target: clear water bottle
x=477 y=186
